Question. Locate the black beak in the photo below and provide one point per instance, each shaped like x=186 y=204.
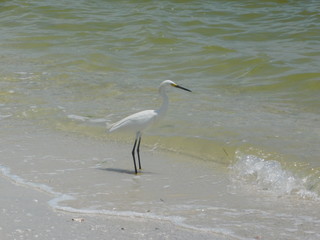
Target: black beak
x=177 y=86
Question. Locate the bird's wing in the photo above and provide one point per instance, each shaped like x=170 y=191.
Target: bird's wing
x=135 y=122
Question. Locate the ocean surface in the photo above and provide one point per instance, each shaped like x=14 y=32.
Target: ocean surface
x=71 y=67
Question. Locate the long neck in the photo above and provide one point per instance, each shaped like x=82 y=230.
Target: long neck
x=165 y=101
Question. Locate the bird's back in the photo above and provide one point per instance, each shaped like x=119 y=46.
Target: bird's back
x=136 y=122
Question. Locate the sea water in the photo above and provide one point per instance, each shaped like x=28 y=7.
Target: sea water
x=73 y=66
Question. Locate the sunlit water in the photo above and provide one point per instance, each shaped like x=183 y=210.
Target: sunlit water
x=253 y=68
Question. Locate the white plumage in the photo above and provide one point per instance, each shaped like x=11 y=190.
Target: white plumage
x=139 y=121
x=136 y=122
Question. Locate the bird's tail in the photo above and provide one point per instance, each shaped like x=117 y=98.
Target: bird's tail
x=109 y=125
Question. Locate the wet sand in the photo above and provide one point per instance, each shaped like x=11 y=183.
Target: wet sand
x=31 y=204
x=25 y=214
x=58 y=185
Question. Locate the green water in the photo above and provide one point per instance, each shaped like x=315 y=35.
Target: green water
x=238 y=156
x=253 y=68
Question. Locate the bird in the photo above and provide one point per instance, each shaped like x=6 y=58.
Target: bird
x=140 y=121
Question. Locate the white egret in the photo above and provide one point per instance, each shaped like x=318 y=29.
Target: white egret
x=139 y=121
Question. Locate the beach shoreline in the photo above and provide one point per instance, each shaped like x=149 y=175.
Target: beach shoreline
x=238 y=158
x=67 y=186
x=59 y=185
x=26 y=214
x=39 y=164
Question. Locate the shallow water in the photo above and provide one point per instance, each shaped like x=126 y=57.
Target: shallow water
x=253 y=68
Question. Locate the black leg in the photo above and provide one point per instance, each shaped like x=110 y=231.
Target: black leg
x=138 y=151
x=134 y=159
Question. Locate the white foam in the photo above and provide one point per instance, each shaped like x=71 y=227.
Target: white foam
x=176 y=220
x=97 y=120
x=268 y=175
x=77 y=117
x=5 y=116
x=20 y=181
x=86 y=119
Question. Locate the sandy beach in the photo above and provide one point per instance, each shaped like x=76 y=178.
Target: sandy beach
x=33 y=205
x=67 y=186
x=25 y=214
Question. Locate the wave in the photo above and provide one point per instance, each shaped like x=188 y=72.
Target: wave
x=269 y=175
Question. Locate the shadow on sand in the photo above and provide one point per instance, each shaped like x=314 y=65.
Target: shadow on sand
x=119 y=170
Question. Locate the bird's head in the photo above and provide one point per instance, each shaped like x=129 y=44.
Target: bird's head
x=173 y=84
